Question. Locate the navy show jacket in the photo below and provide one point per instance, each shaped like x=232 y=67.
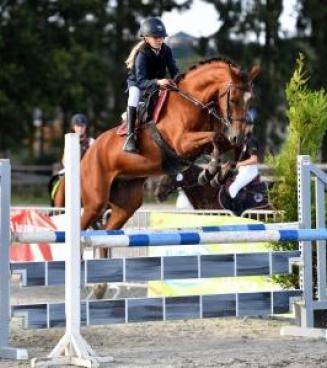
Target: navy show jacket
x=149 y=66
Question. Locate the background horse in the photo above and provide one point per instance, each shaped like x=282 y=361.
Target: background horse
x=254 y=195
x=56 y=189
x=206 y=110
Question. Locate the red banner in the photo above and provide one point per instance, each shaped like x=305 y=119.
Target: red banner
x=30 y=221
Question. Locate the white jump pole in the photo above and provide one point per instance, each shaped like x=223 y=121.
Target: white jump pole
x=6 y=351
x=72 y=348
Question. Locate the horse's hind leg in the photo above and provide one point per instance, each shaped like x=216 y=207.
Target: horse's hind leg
x=94 y=202
x=126 y=197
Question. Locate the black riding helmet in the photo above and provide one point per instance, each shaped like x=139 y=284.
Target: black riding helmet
x=79 y=119
x=153 y=27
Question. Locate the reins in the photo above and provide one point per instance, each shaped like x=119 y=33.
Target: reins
x=211 y=107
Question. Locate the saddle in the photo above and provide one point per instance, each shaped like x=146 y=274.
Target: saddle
x=149 y=110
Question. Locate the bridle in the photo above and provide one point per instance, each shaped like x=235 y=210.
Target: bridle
x=211 y=107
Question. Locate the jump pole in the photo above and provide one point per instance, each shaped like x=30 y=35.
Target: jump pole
x=72 y=348
x=59 y=236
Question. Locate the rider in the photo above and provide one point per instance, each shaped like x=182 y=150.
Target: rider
x=147 y=63
x=247 y=164
x=79 y=124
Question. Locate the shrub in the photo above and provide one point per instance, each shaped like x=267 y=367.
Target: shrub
x=307 y=116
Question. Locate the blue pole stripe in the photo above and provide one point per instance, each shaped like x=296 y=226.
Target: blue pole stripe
x=143 y=240
x=303 y=234
x=190 y=238
x=60 y=236
x=138 y=240
x=236 y=227
x=289 y=235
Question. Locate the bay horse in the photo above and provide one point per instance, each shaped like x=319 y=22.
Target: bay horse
x=206 y=111
x=252 y=196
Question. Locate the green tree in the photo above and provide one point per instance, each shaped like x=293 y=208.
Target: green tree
x=46 y=63
x=312 y=31
x=66 y=56
x=307 y=116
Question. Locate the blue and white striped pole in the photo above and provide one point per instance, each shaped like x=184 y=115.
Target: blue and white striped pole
x=192 y=238
x=59 y=236
x=139 y=239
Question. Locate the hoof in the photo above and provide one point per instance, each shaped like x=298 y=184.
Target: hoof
x=99 y=290
x=215 y=182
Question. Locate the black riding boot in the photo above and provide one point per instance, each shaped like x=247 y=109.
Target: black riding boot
x=130 y=143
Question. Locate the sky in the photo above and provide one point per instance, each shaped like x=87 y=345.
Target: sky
x=202 y=19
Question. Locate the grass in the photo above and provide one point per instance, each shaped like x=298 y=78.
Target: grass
x=30 y=196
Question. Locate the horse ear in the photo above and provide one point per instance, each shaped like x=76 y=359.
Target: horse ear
x=254 y=71
x=234 y=71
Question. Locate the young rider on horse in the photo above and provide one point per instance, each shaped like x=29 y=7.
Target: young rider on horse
x=247 y=164
x=79 y=123
x=147 y=63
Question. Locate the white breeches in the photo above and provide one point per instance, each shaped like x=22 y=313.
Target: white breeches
x=245 y=175
x=134 y=95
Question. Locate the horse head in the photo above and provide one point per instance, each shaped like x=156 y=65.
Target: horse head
x=168 y=184
x=239 y=94
x=221 y=90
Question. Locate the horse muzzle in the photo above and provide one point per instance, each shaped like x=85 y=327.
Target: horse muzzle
x=236 y=137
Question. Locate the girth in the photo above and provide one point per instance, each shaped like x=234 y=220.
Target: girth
x=172 y=163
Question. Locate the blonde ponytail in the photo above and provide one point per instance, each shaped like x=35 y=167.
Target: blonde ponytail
x=131 y=57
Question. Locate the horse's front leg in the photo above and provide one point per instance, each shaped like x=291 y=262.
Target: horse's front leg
x=192 y=142
x=212 y=172
x=221 y=146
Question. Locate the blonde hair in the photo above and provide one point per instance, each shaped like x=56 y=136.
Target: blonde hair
x=131 y=57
